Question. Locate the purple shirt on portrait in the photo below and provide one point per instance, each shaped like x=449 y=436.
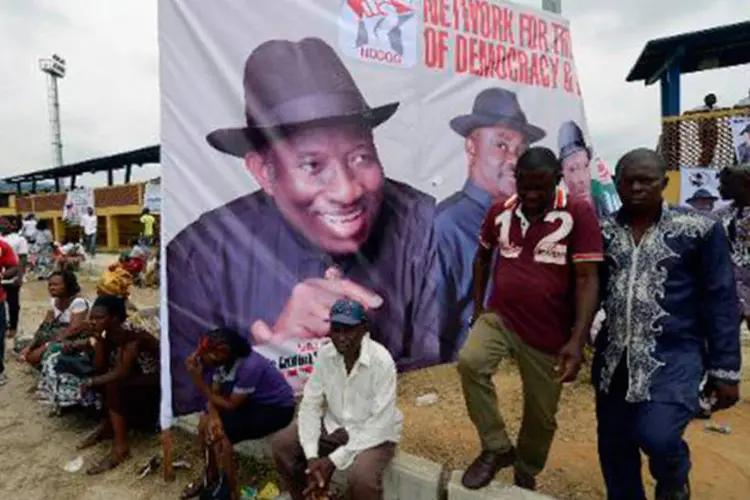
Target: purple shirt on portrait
x=239 y=263
x=256 y=377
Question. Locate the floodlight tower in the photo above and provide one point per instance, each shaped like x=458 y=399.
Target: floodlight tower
x=54 y=67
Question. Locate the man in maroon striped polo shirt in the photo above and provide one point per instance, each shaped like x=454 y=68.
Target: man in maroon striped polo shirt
x=543 y=300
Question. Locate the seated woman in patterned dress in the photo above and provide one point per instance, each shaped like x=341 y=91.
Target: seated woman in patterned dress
x=127 y=360
x=61 y=380
x=65 y=319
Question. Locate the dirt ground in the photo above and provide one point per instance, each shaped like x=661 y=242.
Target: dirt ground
x=34 y=447
x=444 y=433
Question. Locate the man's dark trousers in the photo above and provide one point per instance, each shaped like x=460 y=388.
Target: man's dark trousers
x=624 y=429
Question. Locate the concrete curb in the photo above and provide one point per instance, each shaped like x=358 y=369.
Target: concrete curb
x=495 y=491
x=408 y=478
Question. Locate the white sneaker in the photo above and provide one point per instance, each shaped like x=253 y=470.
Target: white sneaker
x=3 y=379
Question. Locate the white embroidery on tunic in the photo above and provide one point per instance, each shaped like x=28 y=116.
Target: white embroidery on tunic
x=728 y=375
x=636 y=291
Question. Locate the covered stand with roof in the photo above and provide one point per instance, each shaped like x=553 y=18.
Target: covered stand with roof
x=126 y=160
x=118 y=205
x=701 y=139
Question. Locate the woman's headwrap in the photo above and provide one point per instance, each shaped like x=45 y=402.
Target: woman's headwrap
x=238 y=346
x=6 y=226
x=115 y=282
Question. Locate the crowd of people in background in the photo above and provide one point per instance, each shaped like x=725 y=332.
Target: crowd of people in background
x=34 y=243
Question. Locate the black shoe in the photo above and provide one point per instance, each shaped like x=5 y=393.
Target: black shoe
x=680 y=493
x=482 y=470
x=703 y=415
x=525 y=481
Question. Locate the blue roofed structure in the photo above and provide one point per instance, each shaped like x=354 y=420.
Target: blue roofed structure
x=665 y=59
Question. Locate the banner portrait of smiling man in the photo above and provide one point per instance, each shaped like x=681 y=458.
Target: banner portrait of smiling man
x=333 y=149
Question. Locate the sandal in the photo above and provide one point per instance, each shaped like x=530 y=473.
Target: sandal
x=107 y=463
x=192 y=490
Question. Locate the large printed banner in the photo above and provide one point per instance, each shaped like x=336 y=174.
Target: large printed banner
x=318 y=149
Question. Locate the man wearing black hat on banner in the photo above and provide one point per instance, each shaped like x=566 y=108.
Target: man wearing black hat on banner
x=262 y=263
x=360 y=429
x=496 y=133
x=575 y=156
x=702 y=200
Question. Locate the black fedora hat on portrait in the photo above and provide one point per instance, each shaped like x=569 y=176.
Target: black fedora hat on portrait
x=496 y=106
x=291 y=84
x=702 y=194
x=570 y=140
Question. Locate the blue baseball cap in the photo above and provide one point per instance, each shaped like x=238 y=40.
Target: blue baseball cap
x=348 y=312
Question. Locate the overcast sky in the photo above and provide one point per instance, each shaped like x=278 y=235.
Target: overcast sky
x=110 y=96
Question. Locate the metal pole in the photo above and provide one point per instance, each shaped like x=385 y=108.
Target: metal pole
x=54 y=67
x=54 y=119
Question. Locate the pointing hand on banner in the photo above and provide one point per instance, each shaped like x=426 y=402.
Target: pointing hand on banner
x=306 y=312
x=333 y=273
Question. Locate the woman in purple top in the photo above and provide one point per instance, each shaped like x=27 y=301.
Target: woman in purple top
x=248 y=399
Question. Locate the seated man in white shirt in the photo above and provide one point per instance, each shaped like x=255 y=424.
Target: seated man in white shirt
x=355 y=378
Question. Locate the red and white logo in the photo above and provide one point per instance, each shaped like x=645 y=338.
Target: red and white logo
x=379 y=31
x=605 y=176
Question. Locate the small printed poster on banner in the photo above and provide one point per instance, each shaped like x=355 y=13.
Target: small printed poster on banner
x=699 y=188
x=741 y=138
x=152 y=196
x=76 y=203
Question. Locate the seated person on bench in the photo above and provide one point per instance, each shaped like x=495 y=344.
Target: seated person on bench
x=353 y=390
x=249 y=399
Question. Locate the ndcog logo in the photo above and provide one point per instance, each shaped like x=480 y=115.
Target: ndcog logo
x=379 y=31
